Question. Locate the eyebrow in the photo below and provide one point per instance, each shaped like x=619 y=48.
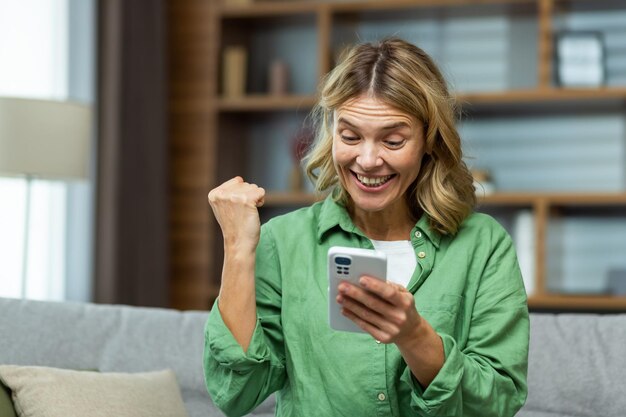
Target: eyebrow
x=388 y=127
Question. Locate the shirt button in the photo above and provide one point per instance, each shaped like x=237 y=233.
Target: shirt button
x=381 y=396
x=378 y=341
x=418 y=234
x=421 y=255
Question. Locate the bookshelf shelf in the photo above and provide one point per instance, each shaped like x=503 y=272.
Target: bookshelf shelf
x=507 y=199
x=578 y=302
x=560 y=199
x=260 y=103
x=543 y=95
x=275 y=199
x=267 y=9
x=361 y=6
x=590 y=199
x=282 y=8
x=554 y=96
x=497 y=199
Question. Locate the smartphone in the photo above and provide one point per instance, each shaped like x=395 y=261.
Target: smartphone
x=350 y=264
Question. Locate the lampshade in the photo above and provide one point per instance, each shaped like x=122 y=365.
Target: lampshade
x=44 y=138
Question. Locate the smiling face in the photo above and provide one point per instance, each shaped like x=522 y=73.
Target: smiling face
x=377 y=153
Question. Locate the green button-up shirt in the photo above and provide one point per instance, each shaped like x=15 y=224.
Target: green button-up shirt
x=468 y=286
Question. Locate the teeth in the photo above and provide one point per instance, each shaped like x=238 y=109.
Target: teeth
x=373 y=182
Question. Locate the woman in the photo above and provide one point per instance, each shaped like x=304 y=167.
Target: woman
x=446 y=335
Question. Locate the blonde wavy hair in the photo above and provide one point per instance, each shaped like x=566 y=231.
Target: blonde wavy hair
x=404 y=77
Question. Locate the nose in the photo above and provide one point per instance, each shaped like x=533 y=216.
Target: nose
x=369 y=157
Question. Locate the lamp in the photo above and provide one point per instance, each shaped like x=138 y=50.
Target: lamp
x=43 y=139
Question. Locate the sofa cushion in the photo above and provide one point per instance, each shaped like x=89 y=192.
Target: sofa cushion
x=6 y=402
x=43 y=391
x=6 y=405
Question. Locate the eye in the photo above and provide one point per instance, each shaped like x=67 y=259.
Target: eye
x=349 y=139
x=394 y=143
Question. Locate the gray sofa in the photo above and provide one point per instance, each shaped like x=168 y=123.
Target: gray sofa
x=577 y=362
x=111 y=339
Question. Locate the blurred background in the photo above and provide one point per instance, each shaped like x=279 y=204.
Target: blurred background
x=156 y=102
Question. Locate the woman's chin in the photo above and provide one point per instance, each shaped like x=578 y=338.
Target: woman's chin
x=370 y=204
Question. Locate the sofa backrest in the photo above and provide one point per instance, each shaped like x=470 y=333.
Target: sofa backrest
x=577 y=363
x=110 y=339
x=577 y=366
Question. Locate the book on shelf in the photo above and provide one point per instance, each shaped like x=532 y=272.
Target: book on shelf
x=235 y=61
x=524 y=239
x=278 y=78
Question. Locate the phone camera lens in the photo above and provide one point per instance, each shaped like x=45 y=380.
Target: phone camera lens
x=341 y=260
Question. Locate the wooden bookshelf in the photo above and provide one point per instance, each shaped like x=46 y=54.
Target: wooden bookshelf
x=208 y=129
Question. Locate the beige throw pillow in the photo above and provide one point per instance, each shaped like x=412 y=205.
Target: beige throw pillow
x=52 y=392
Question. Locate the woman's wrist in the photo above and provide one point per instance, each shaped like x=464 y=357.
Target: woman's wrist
x=417 y=337
x=423 y=352
x=239 y=249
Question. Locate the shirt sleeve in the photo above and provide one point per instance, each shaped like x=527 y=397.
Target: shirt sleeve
x=487 y=376
x=238 y=381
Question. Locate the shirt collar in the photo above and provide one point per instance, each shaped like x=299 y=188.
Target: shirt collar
x=333 y=214
x=423 y=225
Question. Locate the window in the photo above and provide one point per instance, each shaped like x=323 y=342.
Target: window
x=56 y=261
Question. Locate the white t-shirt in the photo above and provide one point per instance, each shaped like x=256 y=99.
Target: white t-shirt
x=401 y=260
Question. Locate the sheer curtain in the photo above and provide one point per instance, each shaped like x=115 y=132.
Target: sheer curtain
x=46 y=51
